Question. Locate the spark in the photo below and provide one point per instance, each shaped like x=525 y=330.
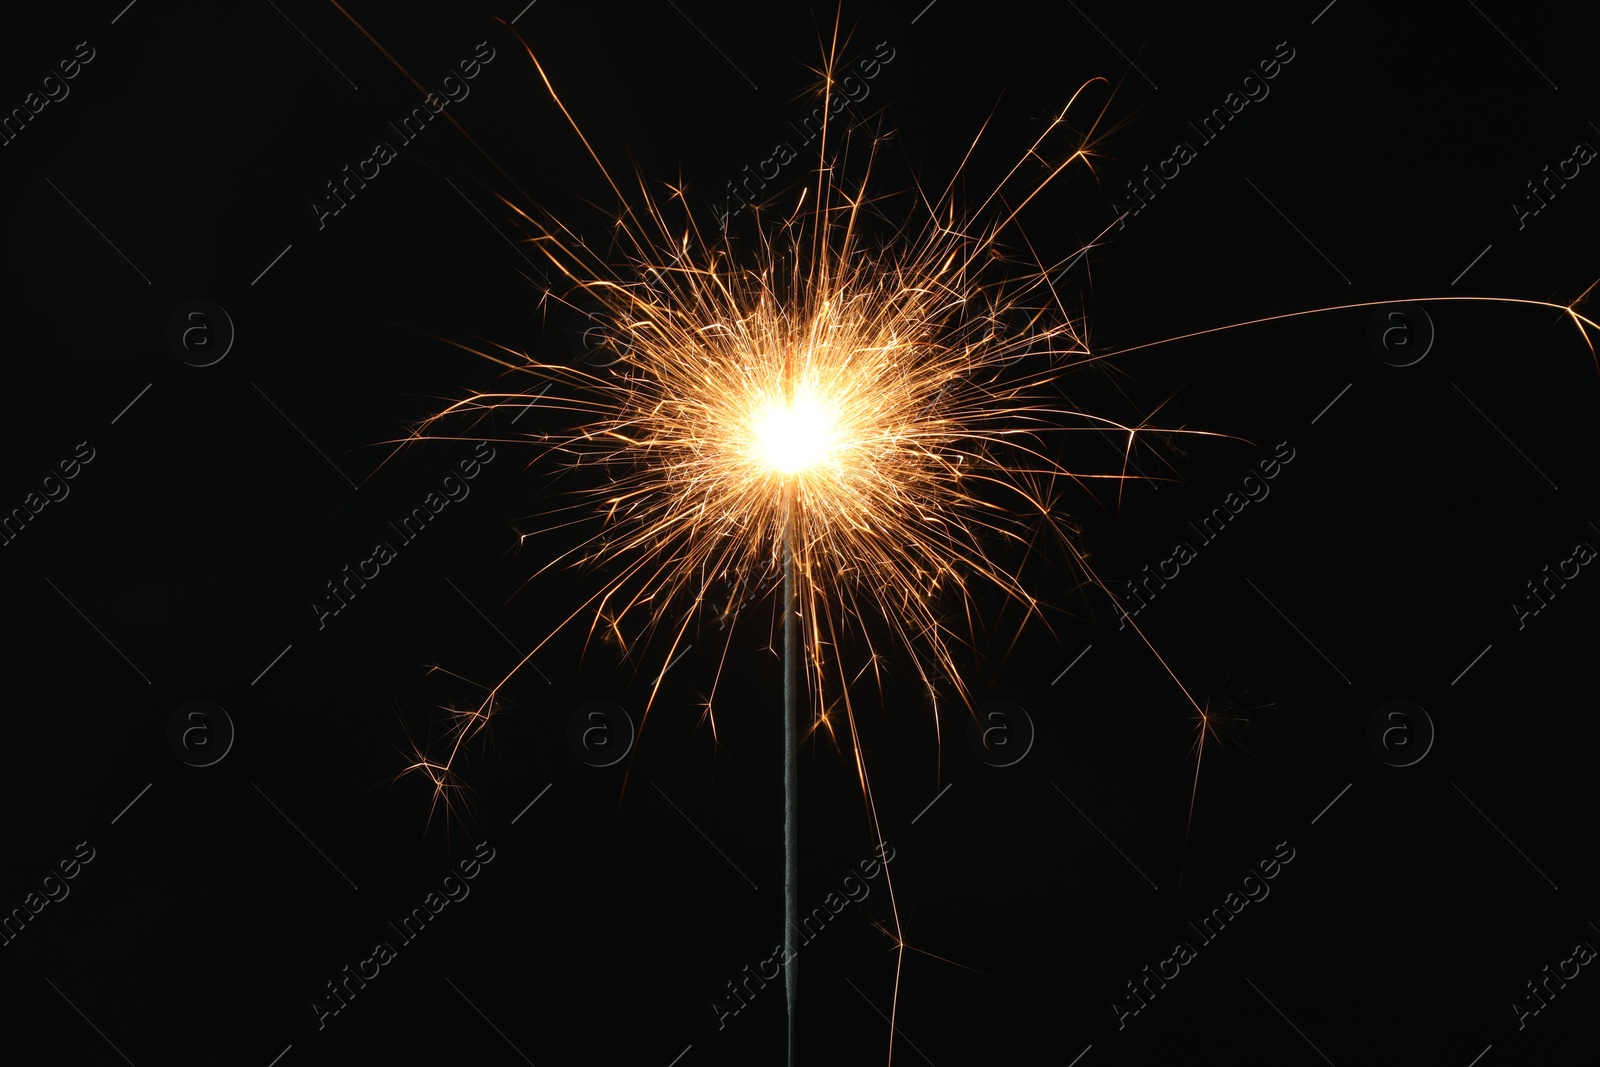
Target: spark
x=1216 y=718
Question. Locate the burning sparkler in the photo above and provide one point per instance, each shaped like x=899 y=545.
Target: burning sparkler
x=862 y=416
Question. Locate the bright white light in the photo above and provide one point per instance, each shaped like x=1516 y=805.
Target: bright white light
x=796 y=437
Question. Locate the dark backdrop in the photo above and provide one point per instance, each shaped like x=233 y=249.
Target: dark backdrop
x=209 y=505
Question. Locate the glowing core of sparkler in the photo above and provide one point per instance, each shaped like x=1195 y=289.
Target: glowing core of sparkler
x=797 y=436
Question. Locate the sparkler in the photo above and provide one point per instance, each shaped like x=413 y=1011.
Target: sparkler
x=860 y=416
x=864 y=417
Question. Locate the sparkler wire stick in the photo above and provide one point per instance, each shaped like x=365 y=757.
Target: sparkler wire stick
x=791 y=792
x=791 y=729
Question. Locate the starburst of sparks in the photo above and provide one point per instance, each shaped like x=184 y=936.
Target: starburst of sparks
x=873 y=396
x=881 y=404
x=861 y=405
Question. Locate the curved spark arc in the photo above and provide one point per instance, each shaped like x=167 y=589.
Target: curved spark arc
x=1582 y=322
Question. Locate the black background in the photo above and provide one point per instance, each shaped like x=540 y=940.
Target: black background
x=1386 y=558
